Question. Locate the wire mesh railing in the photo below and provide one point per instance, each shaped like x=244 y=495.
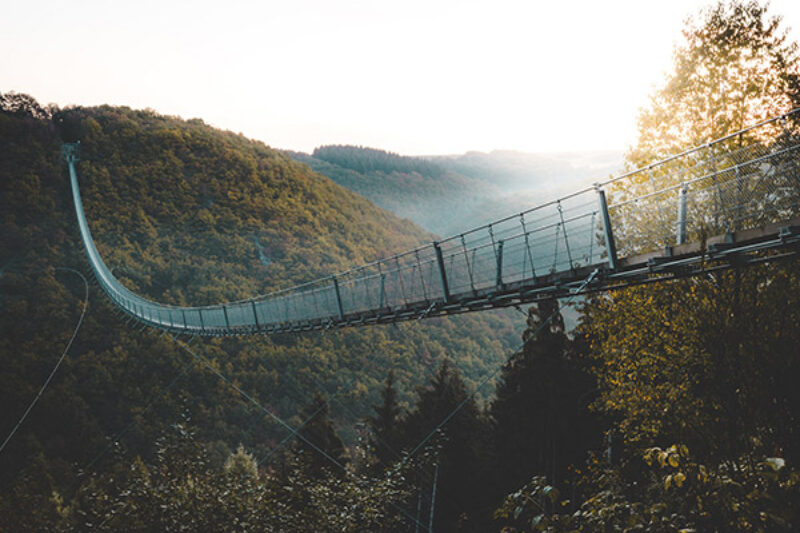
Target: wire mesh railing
x=742 y=181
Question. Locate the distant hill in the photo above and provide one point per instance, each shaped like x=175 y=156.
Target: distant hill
x=439 y=200
x=513 y=171
x=450 y=194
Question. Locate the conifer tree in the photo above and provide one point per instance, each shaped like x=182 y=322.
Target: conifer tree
x=384 y=425
x=321 y=433
x=541 y=421
x=462 y=450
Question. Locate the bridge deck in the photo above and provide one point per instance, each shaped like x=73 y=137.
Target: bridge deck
x=645 y=226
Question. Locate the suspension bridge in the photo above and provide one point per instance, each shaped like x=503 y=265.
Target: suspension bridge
x=722 y=204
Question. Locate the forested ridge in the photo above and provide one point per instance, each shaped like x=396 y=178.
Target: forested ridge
x=413 y=188
x=450 y=194
x=671 y=406
x=184 y=214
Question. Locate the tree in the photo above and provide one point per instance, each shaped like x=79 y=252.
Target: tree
x=320 y=432
x=540 y=412
x=22 y=105
x=711 y=363
x=180 y=491
x=736 y=67
x=461 y=444
x=384 y=426
x=676 y=359
x=241 y=464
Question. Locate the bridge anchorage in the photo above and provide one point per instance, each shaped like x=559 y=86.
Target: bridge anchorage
x=708 y=208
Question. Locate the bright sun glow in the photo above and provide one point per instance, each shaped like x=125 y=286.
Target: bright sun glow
x=416 y=77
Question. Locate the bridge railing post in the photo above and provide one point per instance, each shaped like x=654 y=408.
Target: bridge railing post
x=442 y=272
x=499 y=277
x=225 y=313
x=338 y=297
x=683 y=197
x=255 y=314
x=611 y=247
x=566 y=239
x=528 y=253
x=421 y=275
x=467 y=263
x=382 y=290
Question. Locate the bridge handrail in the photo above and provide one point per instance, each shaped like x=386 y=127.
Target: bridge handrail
x=486 y=248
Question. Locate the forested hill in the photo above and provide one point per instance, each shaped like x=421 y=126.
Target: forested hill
x=422 y=191
x=551 y=174
x=449 y=194
x=184 y=214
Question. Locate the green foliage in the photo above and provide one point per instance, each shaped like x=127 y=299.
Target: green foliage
x=690 y=361
x=710 y=363
x=541 y=420
x=365 y=160
x=319 y=444
x=184 y=213
x=675 y=494
x=736 y=67
x=241 y=464
x=460 y=448
x=181 y=491
x=384 y=425
x=413 y=188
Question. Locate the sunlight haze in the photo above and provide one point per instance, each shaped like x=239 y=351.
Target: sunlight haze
x=411 y=77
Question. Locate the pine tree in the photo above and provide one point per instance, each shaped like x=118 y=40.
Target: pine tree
x=384 y=425
x=320 y=432
x=541 y=422
x=459 y=448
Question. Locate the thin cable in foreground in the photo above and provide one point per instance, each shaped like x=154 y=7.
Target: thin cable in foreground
x=279 y=420
x=60 y=359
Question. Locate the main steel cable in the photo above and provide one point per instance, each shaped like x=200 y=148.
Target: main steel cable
x=128 y=300
x=275 y=417
x=60 y=359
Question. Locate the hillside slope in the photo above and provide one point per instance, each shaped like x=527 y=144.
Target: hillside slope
x=185 y=214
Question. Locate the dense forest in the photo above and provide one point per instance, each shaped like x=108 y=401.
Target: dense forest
x=670 y=406
x=187 y=214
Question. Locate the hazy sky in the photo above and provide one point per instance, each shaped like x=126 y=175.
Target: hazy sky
x=415 y=77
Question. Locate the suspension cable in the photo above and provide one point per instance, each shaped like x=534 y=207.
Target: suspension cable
x=60 y=359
